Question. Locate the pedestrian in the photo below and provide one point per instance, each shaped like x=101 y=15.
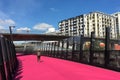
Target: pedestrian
x=38 y=55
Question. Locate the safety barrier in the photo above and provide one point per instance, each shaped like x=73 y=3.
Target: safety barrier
x=8 y=60
x=73 y=48
x=97 y=59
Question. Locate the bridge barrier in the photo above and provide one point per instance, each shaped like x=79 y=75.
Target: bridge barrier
x=8 y=60
x=98 y=57
x=74 y=49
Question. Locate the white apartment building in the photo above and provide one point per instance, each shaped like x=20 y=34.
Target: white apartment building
x=86 y=23
x=72 y=26
x=117 y=15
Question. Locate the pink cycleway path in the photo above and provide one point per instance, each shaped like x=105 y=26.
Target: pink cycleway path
x=57 y=69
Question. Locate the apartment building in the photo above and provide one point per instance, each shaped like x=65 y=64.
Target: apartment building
x=86 y=23
x=117 y=15
x=72 y=26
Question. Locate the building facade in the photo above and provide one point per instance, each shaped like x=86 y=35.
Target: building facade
x=86 y=23
x=72 y=26
x=117 y=15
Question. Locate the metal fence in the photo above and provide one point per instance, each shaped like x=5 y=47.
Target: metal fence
x=74 y=49
x=8 y=60
x=97 y=59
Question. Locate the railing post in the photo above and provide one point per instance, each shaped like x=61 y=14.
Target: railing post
x=48 y=49
x=91 y=47
x=81 y=48
x=73 y=48
x=62 y=50
x=44 y=48
x=6 y=60
x=107 y=41
x=67 y=47
x=2 y=67
x=54 y=49
x=51 y=48
x=58 y=46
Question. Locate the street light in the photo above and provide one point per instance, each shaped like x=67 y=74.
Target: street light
x=10 y=28
x=27 y=30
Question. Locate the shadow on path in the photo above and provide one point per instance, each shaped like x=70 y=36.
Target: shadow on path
x=18 y=71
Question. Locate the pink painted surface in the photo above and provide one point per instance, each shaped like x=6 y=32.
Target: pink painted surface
x=58 y=69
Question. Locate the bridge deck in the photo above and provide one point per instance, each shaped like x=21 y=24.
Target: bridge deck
x=57 y=69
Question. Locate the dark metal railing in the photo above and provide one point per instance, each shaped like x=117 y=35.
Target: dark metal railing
x=8 y=60
x=73 y=49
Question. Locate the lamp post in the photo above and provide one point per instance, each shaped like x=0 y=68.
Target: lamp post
x=11 y=37
x=26 y=41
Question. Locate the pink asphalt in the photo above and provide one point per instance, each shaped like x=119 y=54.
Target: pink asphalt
x=57 y=69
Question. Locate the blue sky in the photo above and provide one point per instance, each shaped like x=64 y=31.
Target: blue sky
x=45 y=14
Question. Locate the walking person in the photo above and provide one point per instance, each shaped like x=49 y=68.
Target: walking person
x=38 y=55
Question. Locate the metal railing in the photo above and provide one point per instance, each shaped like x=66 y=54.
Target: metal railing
x=8 y=60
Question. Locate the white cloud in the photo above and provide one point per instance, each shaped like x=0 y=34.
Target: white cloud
x=4 y=23
x=7 y=22
x=42 y=26
x=23 y=29
x=2 y=30
x=1 y=27
x=50 y=30
x=10 y=22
